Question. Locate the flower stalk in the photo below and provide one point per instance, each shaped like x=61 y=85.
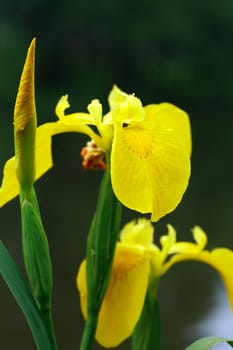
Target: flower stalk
x=101 y=245
x=146 y=335
x=34 y=241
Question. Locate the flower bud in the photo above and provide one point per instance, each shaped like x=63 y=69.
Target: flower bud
x=25 y=122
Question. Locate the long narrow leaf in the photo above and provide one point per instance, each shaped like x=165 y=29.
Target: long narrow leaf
x=207 y=343
x=23 y=296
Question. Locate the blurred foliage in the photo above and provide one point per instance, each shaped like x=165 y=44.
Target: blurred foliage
x=163 y=50
x=174 y=50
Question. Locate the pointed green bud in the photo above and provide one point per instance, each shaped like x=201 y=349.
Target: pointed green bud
x=34 y=241
x=36 y=252
x=25 y=122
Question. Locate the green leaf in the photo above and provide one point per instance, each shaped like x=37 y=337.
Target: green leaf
x=208 y=342
x=146 y=335
x=102 y=238
x=25 y=300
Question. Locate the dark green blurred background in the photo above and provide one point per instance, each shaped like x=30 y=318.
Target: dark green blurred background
x=165 y=50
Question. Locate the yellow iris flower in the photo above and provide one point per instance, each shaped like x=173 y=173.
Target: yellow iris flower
x=149 y=149
x=136 y=259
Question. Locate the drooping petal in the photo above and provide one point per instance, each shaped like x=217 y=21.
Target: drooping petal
x=150 y=161
x=123 y=301
x=9 y=187
x=221 y=259
x=44 y=141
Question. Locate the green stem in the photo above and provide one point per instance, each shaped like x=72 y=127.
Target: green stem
x=102 y=238
x=146 y=335
x=89 y=333
x=48 y=322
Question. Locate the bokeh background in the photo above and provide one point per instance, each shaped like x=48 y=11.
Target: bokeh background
x=163 y=50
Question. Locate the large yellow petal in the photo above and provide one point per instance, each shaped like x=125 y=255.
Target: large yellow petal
x=174 y=118
x=124 y=298
x=9 y=187
x=150 y=160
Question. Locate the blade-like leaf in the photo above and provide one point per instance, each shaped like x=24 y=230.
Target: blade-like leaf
x=208 y=342
x=23 y=296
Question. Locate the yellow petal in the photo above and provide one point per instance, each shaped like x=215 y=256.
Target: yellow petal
x=221 y=259
x=80 y=118
x=159 y=256
x=138 y=232
x=44 y=139
x=82 y=287
x=150 y=160
x=123 y=301
x=125 y=108
x=9 y=188
x=95 y=110
x=187 y=247
x=61 y=106
x=174 y=118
